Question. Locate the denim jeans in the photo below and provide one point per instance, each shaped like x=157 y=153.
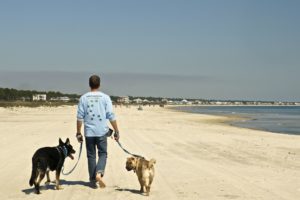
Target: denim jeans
x=99 y=166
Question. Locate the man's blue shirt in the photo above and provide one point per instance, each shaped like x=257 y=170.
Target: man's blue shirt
x=94 y=109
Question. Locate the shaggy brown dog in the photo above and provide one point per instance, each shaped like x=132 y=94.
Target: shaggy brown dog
x=144 y=170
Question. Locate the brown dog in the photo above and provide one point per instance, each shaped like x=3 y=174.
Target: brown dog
x=144 y=170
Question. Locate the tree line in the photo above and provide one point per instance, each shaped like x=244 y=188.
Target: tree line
x=10 y=94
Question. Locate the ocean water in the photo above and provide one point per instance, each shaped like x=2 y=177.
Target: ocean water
x=278 y=119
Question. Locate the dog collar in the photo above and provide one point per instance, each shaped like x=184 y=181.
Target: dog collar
x=64 y=150
x=137 y=165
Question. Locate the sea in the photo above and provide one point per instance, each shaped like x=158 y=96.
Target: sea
x=277 y=119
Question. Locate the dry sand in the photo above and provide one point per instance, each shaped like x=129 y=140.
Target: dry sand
x=197 y=158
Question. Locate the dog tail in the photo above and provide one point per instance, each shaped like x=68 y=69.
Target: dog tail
x=33 y=171
x=151 y=163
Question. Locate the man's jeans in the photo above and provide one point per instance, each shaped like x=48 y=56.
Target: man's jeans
x=91 y=144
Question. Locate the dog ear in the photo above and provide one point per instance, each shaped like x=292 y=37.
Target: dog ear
x=67 y=141
x=60 y=142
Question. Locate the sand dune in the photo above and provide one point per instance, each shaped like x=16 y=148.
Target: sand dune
x=197 y=158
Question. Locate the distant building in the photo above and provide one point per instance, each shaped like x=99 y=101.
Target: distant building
x=164 y=100
x=39 y=97
x=60 y=99
x=170 y=102
x=184 y=101
x=124 y=99
x=145 y=101
x=199 y=102
x=25 y=98
x=137 y=101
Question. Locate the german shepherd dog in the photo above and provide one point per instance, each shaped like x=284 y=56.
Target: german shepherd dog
x=49 y=159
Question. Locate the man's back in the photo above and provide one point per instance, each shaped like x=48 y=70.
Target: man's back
x=94 y=109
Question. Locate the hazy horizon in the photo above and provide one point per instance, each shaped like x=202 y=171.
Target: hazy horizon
x=132 y=84
x=192 y=49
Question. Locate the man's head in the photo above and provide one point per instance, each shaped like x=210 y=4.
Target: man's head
x=94 y=82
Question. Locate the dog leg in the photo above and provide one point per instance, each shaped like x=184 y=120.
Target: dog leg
x=48 y=178
x=37 y=184
x=58 y=187
x=150 y=182
x=147 y=190
x=36 y=177
x=141 y=184
x=147 y=186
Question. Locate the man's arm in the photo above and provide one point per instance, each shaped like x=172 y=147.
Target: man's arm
x=112 y=118
x=79 y=125
x=80 y=116
x=116 y=129
x=114 y=125
x=78 y=133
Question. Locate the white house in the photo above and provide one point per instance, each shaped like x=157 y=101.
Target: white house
x=39 y=97
x=145 y=101
x=137 y=101
x=164 y=100
x=60 y=99
x=184 y=101
x=124 y=99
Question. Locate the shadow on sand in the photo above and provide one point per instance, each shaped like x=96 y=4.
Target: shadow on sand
x=52 y=184
x=129 y=190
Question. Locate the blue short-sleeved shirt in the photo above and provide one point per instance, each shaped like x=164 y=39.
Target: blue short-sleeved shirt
x=94 y=109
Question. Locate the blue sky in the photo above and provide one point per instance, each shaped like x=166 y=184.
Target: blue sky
x=234 y=49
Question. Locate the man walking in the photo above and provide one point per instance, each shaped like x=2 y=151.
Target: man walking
x=94 y=109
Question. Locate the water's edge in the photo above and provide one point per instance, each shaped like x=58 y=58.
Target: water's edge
x=282 y=120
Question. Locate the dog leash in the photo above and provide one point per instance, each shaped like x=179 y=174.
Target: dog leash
x=80 y=150
x=68 y=173
x=126 y=151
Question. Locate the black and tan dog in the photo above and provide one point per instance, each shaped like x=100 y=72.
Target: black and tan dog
x=49 y=159
x=144 y=170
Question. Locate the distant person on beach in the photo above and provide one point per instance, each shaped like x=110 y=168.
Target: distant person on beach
x=94 y=109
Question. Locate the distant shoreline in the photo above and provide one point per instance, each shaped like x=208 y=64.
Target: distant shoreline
x=206 y=105
x=273 y=122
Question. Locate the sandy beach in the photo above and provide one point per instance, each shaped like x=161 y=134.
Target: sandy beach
x=197 y=157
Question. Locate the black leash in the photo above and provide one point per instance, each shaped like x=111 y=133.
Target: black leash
x=80 y=150
x=68 y=173
x=126 y=151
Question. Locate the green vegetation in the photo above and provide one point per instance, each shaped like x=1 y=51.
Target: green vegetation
x=10 y=94
x=10 y=97
x=6 y=104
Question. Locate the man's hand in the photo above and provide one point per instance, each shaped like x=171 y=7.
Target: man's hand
x=79 y=137
x=117 y=135
x=115 y=127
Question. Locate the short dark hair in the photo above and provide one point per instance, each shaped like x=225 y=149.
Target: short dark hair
x=94 y=82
